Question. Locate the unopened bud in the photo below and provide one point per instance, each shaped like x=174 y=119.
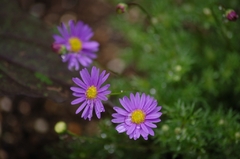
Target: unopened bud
x=60 y=127
x=237 y=135
x=177 y=130
x=121 y=8
x=231 y=15
x=165 y=127
x=59 y=48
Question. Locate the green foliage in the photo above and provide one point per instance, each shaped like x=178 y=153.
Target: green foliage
x=191 y=55
x=43 y=78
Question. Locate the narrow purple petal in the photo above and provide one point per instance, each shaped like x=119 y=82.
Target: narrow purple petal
x=105 y=92
x=84 y=60
x=103 y=79
x=151 y=132
x=85 y=112
x=116 y=115
x=121 y=128
x=97 y=112
x=118 y=120
x=58 y=39
x=79 y=83
x=151 y=107
x=148 y=103
x=137 y=100
x=63 y=31
x=99 y=108
x=136 y=134
x=81 y=107
x=85 y=33
x=90 y=113
x=102 y=97
x=143 y=133
x=77 y=101
x=142 y=101
x=104 y=88
x=155 y=110
x=125 y=103
x=79 y=95
x=87 y=53
x=91 y=46
x=153 y=120
x=85 y=76
x=131 y=129
x=78 y=90
x=73 y=31
x=132 y=99
x=94 y=75
x=144 y=128
x=120 y=111
x=153 y=116
x=149 y=124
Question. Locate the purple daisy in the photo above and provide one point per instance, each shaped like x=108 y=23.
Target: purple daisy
x=138 y=116
x=90 y=93
x=75 y=39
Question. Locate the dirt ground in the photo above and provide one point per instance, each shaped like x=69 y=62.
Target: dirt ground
x=27 y=124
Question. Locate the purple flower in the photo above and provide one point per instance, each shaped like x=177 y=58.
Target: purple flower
x=76 y=38
x=138 y=116
x=90 y=93
x=231 y=15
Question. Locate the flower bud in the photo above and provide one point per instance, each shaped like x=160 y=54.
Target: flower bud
x=121 y=8
x=231 y=15
x=59 y=48
x=60 y=127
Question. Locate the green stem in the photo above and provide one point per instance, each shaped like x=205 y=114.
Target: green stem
x=222 y=32
x=116 y=93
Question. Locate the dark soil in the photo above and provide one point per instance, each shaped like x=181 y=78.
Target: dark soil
x=26 y=123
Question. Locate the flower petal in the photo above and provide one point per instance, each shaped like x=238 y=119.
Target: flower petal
x=81 y=107
x=118 y=120
x=153 y=116
x=94 y=75
x=149 y=124
x=104 y=88
x=144 y=128
x=125 y=103
x=77 y=101
x=85 y=76
x=79 y=82
x=121 y=128
x=78 y=90
x=120 y=111
x=85 y=112
x=91 y=46
x=131 y=129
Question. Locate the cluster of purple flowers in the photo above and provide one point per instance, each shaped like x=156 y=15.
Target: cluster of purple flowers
x=139 y=113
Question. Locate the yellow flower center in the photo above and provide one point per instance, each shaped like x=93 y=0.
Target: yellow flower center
x=91 y=92
x=76 y=44
x=138 y=116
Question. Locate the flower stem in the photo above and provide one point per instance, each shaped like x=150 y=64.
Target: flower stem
x=222 y=32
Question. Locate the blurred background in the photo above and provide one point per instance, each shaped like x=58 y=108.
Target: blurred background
x=29 y=109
